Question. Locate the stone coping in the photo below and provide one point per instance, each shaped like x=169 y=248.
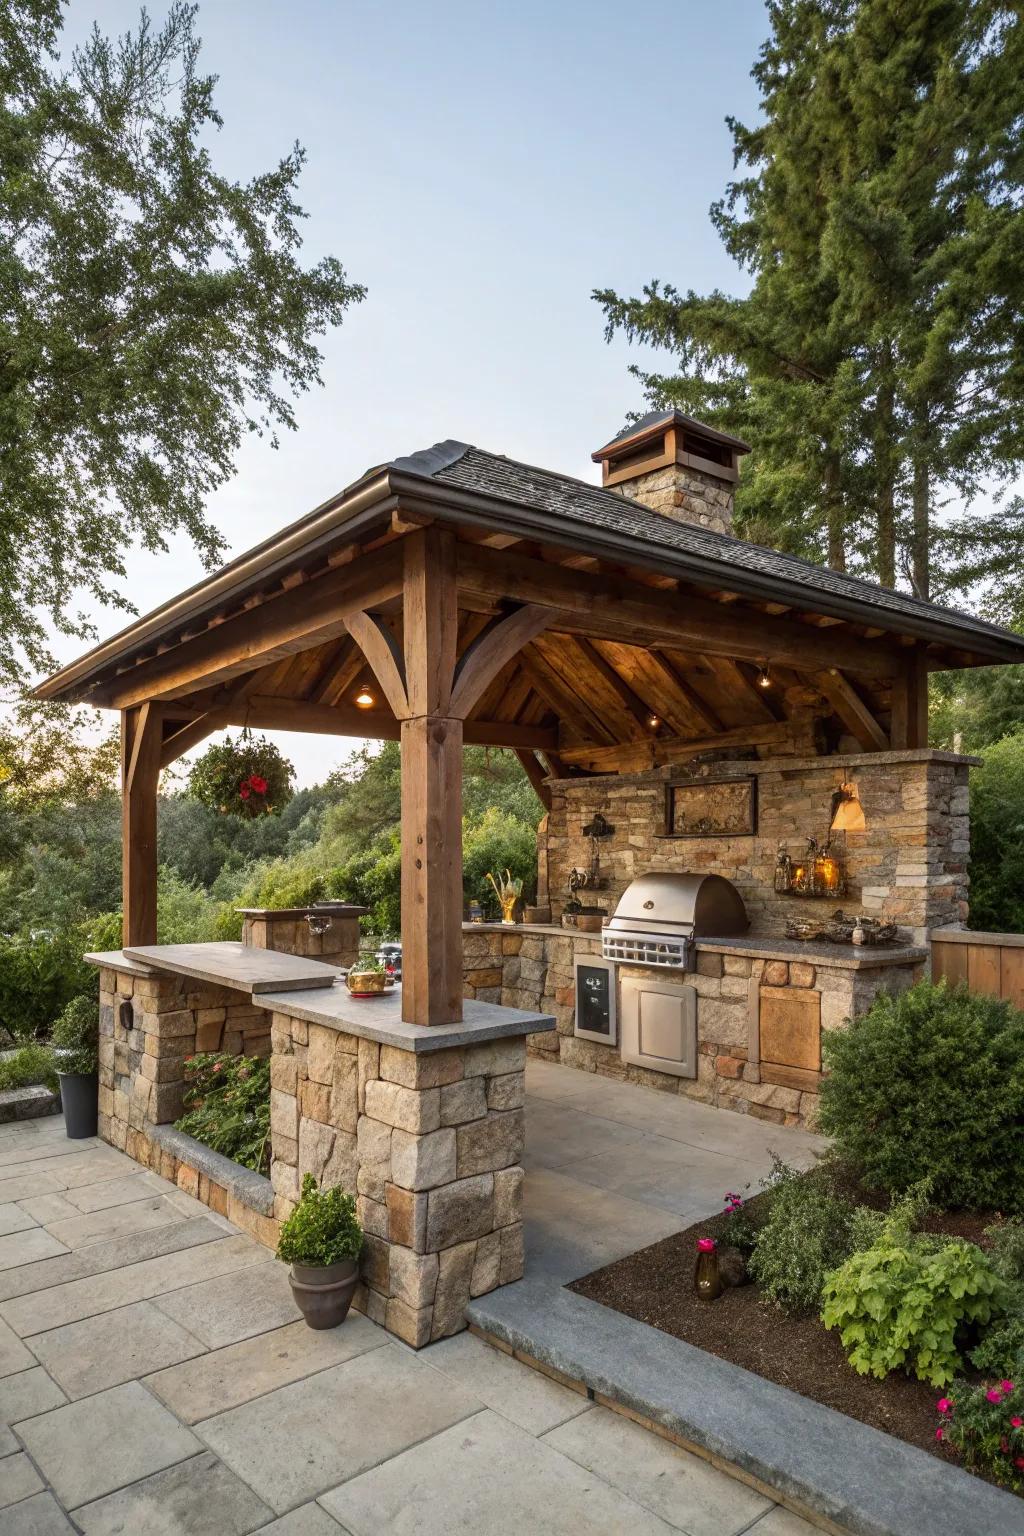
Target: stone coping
x=242 y=966
x=117 y=960
x=843 y=760
x=379 y=1018
x=30 y=1103
x=321 y=909
x=847 y=957
x=251 y=1188
x=858 y=1478
x=967 y=936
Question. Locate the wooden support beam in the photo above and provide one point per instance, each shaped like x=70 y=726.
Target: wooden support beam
x=141 y=731
x=555 y=657
x=265 y=713
x=852 y=710
x=619 y=609
x=190 y=735
x=279 y=627
x=537 y=776
x=560 y=698
x=910 y=703
x=431 y=743
x=341 y=675
x=495 y=646
x=379 y=646
x=789 y=737
x=664 y=691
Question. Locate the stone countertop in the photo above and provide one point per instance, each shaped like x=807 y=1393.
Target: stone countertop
x=117 y=960
x=379 y=1018
x=847 y=957
x=242 y=966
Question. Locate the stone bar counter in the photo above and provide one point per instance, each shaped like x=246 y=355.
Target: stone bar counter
x=762 y=1005
x=424 y=1125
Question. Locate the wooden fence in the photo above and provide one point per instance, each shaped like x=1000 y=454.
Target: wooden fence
x=987 y=962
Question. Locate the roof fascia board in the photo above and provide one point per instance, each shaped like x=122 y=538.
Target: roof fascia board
x=455 y=504
x=307 y=536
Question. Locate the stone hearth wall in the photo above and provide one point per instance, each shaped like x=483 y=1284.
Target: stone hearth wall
x=431 y=1144
x=909 y=865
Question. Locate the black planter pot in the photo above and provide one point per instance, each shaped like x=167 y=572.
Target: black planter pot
x=79 y=1094
x=323 y=1294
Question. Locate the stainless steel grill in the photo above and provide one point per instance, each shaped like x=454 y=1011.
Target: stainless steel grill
x=660 y=915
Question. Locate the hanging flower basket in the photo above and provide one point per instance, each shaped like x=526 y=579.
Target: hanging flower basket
x=248 y=777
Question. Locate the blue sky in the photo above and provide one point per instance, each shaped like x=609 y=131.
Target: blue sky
x=481 y=169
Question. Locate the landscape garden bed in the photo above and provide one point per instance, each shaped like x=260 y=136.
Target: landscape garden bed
x=887 y=1282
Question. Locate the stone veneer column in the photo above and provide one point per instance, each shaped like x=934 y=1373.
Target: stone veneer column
x=432 y=1143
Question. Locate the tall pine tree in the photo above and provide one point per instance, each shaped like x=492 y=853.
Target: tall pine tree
x=876 y=361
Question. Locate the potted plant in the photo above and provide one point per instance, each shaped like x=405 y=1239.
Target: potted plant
x=322 y=1240
x=75 y=1042
x=367 y=977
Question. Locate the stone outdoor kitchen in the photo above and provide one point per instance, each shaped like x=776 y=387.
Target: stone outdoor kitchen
x=691 y=709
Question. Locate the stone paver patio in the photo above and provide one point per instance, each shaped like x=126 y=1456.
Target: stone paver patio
x=154 y=1376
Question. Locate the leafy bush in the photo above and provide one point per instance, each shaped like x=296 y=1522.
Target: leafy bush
x=930 y=1084
x=323 y=1229
x=498 y=842
x=39 y=975
x=247 y=777
x=76 y=1036
x=900 y=1302
x=985 y=1426
x=997 y=837
x=227 y=1107
x=804 y=1235
x=30 y=1065
x=1001 y=1350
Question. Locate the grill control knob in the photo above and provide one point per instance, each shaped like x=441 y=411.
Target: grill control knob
x=648 y=905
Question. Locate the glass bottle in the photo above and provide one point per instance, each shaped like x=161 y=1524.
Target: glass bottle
x=783 y=872
x=707 y=1279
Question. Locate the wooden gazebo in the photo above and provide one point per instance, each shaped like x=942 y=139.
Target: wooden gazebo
x=476 y=599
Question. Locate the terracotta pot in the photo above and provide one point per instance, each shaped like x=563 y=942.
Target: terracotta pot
x=323 y=1293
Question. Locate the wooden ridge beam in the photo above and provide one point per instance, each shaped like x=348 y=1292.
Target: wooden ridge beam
x=294 y=621
x=852 y=710
x=618 y=609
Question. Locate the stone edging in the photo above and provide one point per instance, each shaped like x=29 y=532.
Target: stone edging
x=30 y=1103
x=251 y=1188
x=840 y=1474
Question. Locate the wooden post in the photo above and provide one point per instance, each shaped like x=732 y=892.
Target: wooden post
x=431 y=787
x=141 y=731
x=910 y=703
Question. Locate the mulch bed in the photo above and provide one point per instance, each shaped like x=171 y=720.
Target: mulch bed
x=655 y=1286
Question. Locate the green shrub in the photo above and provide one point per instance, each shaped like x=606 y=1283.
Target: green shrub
x=997 y=837
x=805 y=1234
x=323 y=1229
x=227 y=1107
x=985 y=1426
x=39 y=975
x=76 y=1036
x=900 y=1302
x=1001 y=1350
x=930 y=1084
x=30 y=1065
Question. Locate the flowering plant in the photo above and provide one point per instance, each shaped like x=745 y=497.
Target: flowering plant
x=984 y=1426
x=738 y=1229
x=227 y=1106
x=248 y=777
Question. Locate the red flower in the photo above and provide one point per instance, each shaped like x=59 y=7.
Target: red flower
x=245 y=791
x=258 y=785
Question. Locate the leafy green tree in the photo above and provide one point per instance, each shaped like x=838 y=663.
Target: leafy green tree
x=876 y=361
x=997 y=838
x=152 y=311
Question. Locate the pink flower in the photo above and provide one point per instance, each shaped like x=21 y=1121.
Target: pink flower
x=994 y=1395
x=258 y=785
x=1017 y=1421
x=706 y=1244
x=1006 y=1386
x=1018 y=1461
x=940 y=1433
x=944 y=1405
x=245 y=791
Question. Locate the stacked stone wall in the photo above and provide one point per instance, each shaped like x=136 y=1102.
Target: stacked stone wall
x=686 y=494
x=908 y=866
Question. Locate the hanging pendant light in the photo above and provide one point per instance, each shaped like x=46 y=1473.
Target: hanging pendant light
x=364 y=698
x=764 y=678
x=847 y=811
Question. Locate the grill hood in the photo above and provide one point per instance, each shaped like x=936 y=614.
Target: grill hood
x=704 y=906
x=659 y=915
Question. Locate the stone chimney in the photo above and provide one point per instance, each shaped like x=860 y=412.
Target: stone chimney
x=676 y=466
